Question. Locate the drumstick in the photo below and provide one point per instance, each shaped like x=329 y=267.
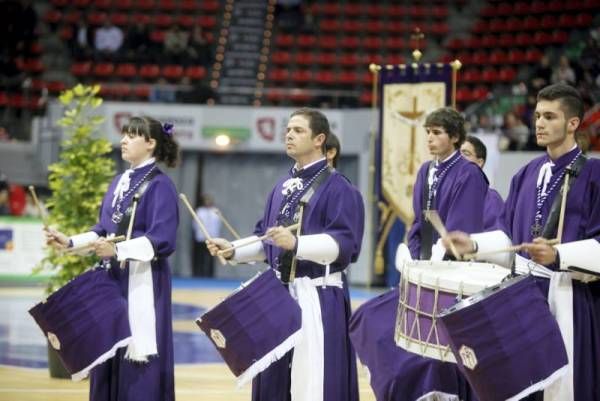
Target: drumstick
x=563 y=207
x=38 y=205
x=77 y=249
x=185 y=201
x=436 y=222
x=253 y=240
x=513 y=248
x=229 y=227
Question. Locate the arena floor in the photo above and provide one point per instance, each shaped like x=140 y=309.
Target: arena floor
x=199 y=372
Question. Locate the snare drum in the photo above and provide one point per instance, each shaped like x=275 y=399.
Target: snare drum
x=507 y=343
x=255 y=326
x=427 y=288
x=86 y=321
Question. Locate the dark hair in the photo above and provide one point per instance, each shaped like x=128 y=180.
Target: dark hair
x=167 y=149
x=570 y=99
x=317 y=122
x=333 y=142
x=452 y=122
x=480 y=149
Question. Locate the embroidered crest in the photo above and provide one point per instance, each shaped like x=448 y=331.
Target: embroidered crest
x=218 y=338
x=292 y=185
x=468 y=357
x=54 y=341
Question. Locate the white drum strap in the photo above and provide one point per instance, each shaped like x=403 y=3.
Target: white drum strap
x=308 y=363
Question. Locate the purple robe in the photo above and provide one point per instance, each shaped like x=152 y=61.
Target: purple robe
x=157 y=217
x=459 y=200
x=493 y=208
x=582 y=221
x=337 y=209
x=398 y=375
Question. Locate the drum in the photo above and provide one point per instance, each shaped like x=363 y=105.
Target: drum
x=254 y=326
x=86 y=321
x=427 y=288
x=506 y=341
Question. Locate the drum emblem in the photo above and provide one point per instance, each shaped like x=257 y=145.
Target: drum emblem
x=218 y=338
x=468 y=357
x=54 y=341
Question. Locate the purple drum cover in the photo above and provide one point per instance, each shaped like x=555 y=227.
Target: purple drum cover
x=84 y=319
x=506 y=342
x=252 y=322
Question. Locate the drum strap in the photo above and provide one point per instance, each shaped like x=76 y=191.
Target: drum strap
x=426 y=227
x=287 y=259
x=551 y=225
x=124 y=224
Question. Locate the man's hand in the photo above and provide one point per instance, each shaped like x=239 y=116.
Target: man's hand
x=55 y=238
x=462 y=242
x=541 y=251
x=282 y=237
x=104 y=249
x=214 y=245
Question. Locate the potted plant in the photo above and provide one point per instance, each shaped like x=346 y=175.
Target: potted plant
x=78 y=181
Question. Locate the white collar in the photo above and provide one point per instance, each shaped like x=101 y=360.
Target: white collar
x=308 y=165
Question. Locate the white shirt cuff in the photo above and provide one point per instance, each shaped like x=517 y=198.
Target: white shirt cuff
x=583 y=254
x=491 y=241
x=83 y=239
x=139 y=248
x=248 y=253
x=318 y=248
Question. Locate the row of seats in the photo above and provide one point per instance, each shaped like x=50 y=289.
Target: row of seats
x=148 y=72
x=97 y=18
x=330 y=25
x=380 y=10
x=509 y=40
x=350 y=42
x=331 y=58
x=498 y=57
x=504 y=8
x=207 y=6
x=21 y=101
x=531 y=23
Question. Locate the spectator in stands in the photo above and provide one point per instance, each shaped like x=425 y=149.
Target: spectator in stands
x=4 y=192
x=288 y=13
x=197 y=92
x=83 y=41
x=162 y=92
x=542 y=74
x=137 y=43
x=176 y=44
x=564 y=73
x=108 y=39
x=199 y=48
x=516 y=131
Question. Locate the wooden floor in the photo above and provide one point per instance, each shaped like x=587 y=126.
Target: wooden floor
x=197 y=382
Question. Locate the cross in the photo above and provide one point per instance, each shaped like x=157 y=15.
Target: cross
x=412 y=115
x=417 y=36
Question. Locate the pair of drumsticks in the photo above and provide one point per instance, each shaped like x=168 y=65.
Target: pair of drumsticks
x=434 y=218
x=207 y=235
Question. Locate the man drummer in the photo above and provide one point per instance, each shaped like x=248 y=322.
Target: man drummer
x=449 y=184
x=329 y=239
x=457 y=189
x=535 y=196
x=473 y=149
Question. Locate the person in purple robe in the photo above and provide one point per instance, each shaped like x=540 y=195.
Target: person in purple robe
x=450 y=184
x=144 y=370
x=474 y=150
x=457 y=189
x=534 y=197
x=322 y=366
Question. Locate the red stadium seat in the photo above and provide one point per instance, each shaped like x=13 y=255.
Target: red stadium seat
x=167 y=5
x=395 y=43
x=348 y=78
x=209 y=6
x=305 y=58
x=498 y=57
x=507 y=74
x=100 y=4
x=489 y=75
x=119 y=19
x=172 y=72
x=327 y=59
x=350 y=42
x=96 y=18
x=375 y=26
x=195 y=72
x=331 y=9
x=124 y=5
x=121 y=90
x=56 y=87
x=207 y=21
x=330 y=25
x=146 y=5
x=567 y=21
x=142 y=18
x=189 y=5
x=366 y=98
x=530 y=24
x=186 y=21
x=81 y=69
x=163 y=21
x=394 y=59
x=302 y=76
x=455 y=44
x=104 y=70
x=352 y=10
x=284 y=40
x=560 y=37
x=372 y=42
x=548 y=21
x=149 y=71
x=279 y=75
x=142 y=91
x=469 y=76
x=397 y=10
x=542 y=39
x=521 y=8
x=533 y=55
x=353 y=26
x=350 y=60
x=489 y=41
x=126 y=71
x=281 y=57
x=516 y=56
x=325 y=77
x=52 y=16
x=306 y=40
x=328 y=42
x=480 y=93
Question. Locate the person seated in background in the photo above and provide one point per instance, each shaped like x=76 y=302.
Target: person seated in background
x=176 y=44
x=108 y=40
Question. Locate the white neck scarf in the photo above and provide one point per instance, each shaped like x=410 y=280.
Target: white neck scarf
x=123 y=185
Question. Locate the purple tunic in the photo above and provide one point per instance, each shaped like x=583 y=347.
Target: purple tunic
x=459 y=200
x=494 y=205
x=157 y=217
x=582 y=221
x=337 y=209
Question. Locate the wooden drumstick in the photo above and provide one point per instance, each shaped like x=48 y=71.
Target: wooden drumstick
x=38 y=205
x=186 y=202
x=513 y=248
x=229 y=227
x=86 y=247
x=436 y=222
x=291 y=227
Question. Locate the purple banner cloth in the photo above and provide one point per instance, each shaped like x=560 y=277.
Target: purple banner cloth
x=513 y=337
x=253 y=321
x=88 y=316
